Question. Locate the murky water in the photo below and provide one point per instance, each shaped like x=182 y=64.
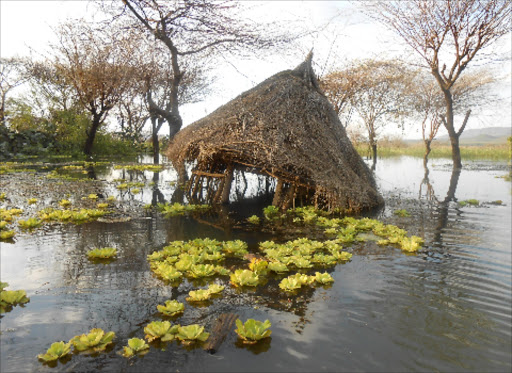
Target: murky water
x=446 y=308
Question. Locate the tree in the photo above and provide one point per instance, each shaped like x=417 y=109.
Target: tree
x=12 y=75
x=447 y=34
x=200 y=28
x=428 y=103
x=96 y=63
x=375 y=90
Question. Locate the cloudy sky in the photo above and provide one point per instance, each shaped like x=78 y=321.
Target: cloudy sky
x=27 y=25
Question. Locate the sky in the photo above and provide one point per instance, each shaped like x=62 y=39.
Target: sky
x=26 y=27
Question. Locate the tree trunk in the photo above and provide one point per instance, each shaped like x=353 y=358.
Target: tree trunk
x=91 y=134
x=454 y=136
x=156 y=143
x=428 y=149
x=227 y=184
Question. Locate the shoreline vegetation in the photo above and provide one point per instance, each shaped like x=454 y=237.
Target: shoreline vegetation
x=470 y=152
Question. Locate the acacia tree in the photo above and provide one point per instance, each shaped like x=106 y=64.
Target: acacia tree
x=447 y=34
x=200 y=28
x=375 y=90
x=428 y=103
x=96 y=63
x=12 y=75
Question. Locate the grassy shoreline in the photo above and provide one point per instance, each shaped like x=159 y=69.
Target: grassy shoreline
x=485 y=152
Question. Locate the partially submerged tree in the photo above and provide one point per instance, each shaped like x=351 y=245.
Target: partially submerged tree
x=447 y=34
x=97 y=64
x=12 y=75
x=375 y=90
x=196 y=28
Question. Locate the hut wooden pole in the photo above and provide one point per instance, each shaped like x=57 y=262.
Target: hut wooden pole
x=227 y=184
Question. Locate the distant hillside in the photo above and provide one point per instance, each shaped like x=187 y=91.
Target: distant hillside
x=482 y=136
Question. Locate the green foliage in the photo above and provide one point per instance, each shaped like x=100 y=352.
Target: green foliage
x=30 y=223
x=3 y=196
x=8 y=215
x=171 y=308
x=64 y=203
x=32 y=201
x=177 y=209
x=140 y=167
x=201 y=270
x=162 y=330
x=10 y=298
x=253 y=330
x=323 y=278
x=56 y=351
x=259 y=266
x=96 y=340
x=215 y=288
x=191 y=333
x=254 y=219
x=402 y=213
x=235 y=248
x=278 y=267
x=200 y=295
x=135 y=346
x=271 y=213
x=102 y=253
x=471 y=202
x=74 y=216
x=244 y=277
x=6 y=235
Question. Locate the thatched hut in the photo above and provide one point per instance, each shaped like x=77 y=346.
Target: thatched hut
x=284 y=128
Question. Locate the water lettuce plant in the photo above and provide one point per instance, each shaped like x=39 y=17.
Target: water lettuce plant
x=402 y=213
x=259 y=266
x=102 y=205
x=167 y=272
x=271 y=212
x=10 y=298
x=32 y=201
x=177 y=209
x=96 y=340
x=71 y=216
x=253 y=219
x=135 y=346
x=162 y=330
x=171 y=308
x=235 y=248
x=244 y=277
x=135 y=191
x=56 y=351
x=102 y=253
x=3 y=224
x=30 y=223
x=201 y=270
x=278 y=267
x=200 y=295
x=323 y=278
x=191 y=333
x=215 y=288
x=64 y=203
x=253 y=330
x=8 y=214
x=5 y=235
x=3 y=196
x=295 y=282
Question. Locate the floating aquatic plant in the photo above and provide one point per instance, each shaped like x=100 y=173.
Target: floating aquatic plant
x=236 y=248
x=177 y=209
x=3 y=196
x=136 y=346
x=3 y=224
x=402 y=213
x=30 y=223
x=259 y=266
x=254 y=219
x=253 y=330
x=122 y=186
x=171 y=308
x=102 y=205
x=135 y=191
x=102 y=253
x=162 y=330
x=96 y=340
x=200 y=295
x=32 y=201
x=278 y=267
x=64 y=203
x=93 y=196
x=215 y=288
x=56 y=351
x=10 y=298
x=7 y=215
x=191 y=333
x=271 y=212
x=244 y=277
x=167 y=272
x=323 y=278
x=5 y=235
x=71 y=216
x=296 y=281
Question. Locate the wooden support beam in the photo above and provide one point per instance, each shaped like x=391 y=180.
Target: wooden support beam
x=226 y=189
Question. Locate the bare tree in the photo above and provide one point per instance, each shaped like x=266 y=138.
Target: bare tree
x=447 y=34
x=375 y=90
x=97 y=64
x=12 y=75
x=195 y=28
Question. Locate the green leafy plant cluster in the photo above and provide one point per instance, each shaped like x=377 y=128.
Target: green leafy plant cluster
x=470 y=202
x=192 y=333
x=162 y=330
x=402 y=213
x=252 y=330
x=298 y=280
x=56 y=351
x=11 y=298
x=254 y=219
x=202 y=295
x=95 y=341
x=171 y=308
x=244 y=277
x=30 y=223
x=140 y=167
x=75 y=216
x=177 y=209
x=197 y=258
x=9 y=214
x=102 y=253
x=136 y=346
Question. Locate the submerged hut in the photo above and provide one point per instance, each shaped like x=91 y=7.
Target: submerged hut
x=284 y=128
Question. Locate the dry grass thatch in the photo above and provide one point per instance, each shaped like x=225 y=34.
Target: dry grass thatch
x=286 y=128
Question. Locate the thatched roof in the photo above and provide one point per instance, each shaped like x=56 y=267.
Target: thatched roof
x=284 y=127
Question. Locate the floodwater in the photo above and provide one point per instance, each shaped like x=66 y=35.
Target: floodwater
x=446 y=308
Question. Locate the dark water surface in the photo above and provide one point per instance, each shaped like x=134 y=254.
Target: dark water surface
x=446 y=308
